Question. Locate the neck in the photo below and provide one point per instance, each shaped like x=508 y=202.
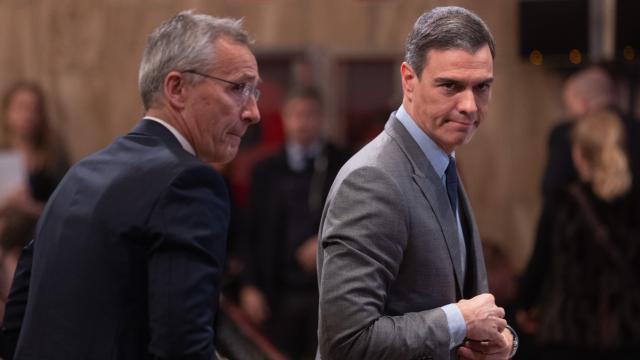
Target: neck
x=172 y=118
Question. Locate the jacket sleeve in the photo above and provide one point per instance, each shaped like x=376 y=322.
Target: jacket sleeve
x=185 y=264
x=364 y=234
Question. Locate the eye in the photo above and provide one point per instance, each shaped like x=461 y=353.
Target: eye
x=483 y=87
x=451 y=87
x=238 y=87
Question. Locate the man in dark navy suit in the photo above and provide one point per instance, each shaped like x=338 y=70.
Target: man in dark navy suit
x=127 y=257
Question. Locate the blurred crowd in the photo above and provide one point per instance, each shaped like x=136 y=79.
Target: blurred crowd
x=577 y=298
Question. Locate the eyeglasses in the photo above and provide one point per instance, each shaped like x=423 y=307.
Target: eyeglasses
x=245 y=90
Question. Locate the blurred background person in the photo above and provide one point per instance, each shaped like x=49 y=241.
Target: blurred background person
x=26 y=133
x=587 y=307
x=288 y=190
x=587 y=91
x=26 y=130
x=16 y=230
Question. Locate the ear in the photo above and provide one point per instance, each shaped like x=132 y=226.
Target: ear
x=409 y=79
x=175 y=89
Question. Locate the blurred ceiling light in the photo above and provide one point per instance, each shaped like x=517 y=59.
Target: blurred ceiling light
x=536 y=57
x=629 y=53
x=575 y=56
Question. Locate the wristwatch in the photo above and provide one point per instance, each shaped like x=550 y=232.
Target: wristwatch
x=516 y=342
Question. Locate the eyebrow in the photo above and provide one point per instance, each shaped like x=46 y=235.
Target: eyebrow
x=250 y=77
x=445 y=80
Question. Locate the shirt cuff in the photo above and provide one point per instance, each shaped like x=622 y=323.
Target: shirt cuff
x=457 y=326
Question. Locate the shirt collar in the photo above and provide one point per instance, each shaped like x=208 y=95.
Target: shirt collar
x=181 y=139
x=298 y=154
x=437 y=157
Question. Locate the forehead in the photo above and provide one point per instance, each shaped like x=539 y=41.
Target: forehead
x=449 y=62
x=234 y=59
x=23 y=95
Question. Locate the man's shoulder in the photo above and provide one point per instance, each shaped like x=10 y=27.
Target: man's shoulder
x=382 y=152
x=380 y=156
x=140 y=158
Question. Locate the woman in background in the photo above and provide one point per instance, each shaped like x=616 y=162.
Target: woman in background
x=25 y=130
x=589 y=307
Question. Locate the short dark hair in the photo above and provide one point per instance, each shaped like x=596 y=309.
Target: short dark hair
x=444 y=28
x=304 y=92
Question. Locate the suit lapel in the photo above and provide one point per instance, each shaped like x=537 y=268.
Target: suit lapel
x=431 y=187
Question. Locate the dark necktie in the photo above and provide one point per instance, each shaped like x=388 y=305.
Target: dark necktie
x=452 y=190
x=452 y=184
x=309 y=162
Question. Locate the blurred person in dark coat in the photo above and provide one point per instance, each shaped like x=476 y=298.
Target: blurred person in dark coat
x=587 y=307
x=586 y=91
x=288 y=191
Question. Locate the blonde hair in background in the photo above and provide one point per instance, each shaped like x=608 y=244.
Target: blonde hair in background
x=599 y=138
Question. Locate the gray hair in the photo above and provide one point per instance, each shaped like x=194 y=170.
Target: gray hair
x=184 y=42
x=445 y=28
x=594 y=86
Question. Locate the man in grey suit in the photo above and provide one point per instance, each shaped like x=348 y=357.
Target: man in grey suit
x=400 y=266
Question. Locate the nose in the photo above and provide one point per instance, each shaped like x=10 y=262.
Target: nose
x=467 y=103
x=250 y=113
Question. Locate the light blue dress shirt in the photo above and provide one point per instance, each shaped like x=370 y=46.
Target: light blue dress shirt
x=439 y=161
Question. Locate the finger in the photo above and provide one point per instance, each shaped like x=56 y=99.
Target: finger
x=497 y=322
x=484 y=347
x=500 y=324
x=490 y=299
x=467 y=354
x=496 y=338
x=495 y=311
x=499 y=342
x=485 y=300
x=489 y=332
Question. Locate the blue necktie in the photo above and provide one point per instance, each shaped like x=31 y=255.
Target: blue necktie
x=452 y=184
x=452 y=190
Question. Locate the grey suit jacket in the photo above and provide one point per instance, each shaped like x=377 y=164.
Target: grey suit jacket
x=389 y=255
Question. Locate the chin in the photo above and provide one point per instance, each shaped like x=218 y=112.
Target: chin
x=227 y=156
x=466 y=140
x=220 y=154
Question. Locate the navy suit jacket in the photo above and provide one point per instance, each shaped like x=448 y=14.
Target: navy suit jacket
x=127 y=257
